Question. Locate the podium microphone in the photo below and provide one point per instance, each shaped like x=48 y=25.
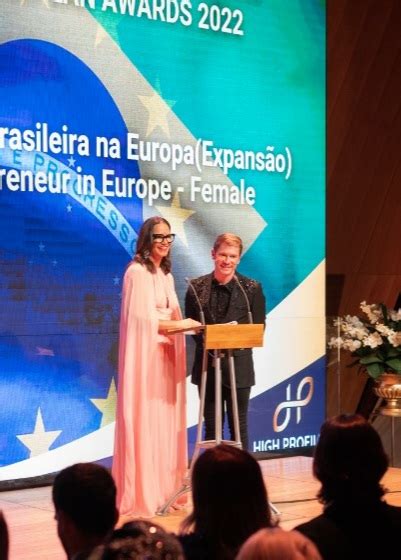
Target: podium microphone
x=250 y=318
x=201 y=314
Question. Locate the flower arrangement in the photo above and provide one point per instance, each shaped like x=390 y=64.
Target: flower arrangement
x=374 y=340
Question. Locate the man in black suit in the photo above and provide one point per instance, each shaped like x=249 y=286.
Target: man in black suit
x=222 y=299
x=84 y=497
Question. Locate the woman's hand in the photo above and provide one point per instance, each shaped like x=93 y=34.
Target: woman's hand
x=190 y=324
x=165 y=326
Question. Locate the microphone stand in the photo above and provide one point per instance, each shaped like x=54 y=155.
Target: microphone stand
x=186 y=483
x=250 y=318
x=273 y=509
x=201 y=313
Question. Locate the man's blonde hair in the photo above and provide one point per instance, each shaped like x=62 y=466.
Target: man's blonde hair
x=230 y=239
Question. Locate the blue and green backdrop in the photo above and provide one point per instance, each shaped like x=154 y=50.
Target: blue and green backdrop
x=209 y=114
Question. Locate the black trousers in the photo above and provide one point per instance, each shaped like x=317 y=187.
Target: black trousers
x=243 y=395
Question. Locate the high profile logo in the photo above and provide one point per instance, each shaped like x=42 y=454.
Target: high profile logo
x=289 y=404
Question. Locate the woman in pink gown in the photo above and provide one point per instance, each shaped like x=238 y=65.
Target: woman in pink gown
x=150 y=450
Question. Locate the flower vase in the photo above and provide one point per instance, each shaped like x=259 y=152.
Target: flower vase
x=388 y=387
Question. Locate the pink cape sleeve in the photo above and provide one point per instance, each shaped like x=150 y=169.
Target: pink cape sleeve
x=138 y=341
x=138 y=323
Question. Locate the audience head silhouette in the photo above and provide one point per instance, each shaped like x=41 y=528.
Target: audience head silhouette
x=229 y=499
x=140 y=540
x=276 y=544
x=355 y=522
x=84 y=497
x=3 y=538
x=349 y=460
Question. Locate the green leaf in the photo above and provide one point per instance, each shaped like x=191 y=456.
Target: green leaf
x=374 y=370
x=372 y=359
x=395 y=364
x=393 y=352
x=381 y=355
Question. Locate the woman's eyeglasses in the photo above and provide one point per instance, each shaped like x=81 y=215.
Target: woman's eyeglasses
x=159 y=238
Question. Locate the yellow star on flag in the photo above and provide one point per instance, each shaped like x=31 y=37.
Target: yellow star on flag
x=108 y=405
x=108 y=26
x=101 y=34
x=158 y=110
x=176 y=216
x=169 y=102
x=39 y=441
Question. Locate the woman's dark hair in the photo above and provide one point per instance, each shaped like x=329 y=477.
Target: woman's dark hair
x=349 y=461
x=226 y=482
x=144 y=245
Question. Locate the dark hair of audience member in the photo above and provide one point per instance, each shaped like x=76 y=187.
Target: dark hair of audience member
x=140 y=540
x=4 y=541
x=229 y=499
x=86 y=492
x=349 y=461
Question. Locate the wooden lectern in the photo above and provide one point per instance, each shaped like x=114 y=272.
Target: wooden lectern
x=227 y=337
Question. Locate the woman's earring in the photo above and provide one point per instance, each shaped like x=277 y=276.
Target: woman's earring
x=146 y=254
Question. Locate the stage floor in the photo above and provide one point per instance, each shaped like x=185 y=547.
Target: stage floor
x=289 y=481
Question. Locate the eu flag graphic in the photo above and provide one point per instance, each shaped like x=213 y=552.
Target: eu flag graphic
x=61 y=264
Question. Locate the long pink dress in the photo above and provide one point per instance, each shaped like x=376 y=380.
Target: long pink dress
x=150 y=449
